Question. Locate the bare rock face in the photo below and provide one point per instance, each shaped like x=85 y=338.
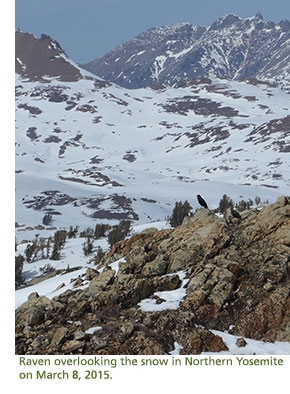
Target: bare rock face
x=237 y=274
x=39 y=58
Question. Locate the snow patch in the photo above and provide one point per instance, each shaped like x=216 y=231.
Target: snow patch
x=253 y=346
x=92 y=330
x=172 y=298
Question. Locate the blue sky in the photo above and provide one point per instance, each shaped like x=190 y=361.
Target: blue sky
x=90 y=28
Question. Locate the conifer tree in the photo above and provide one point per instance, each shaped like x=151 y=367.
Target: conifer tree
x=179 y=212
x=225 y=203
x=59 y=242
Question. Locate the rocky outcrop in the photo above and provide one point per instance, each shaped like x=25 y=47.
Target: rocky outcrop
x=234 y=275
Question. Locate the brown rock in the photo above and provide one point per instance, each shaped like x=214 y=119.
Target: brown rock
x=283 y=200
x=200 y=340
x=127 y=329
x=33 y=296
x=60 y=286
x=71 y=346
x=241 y=342
x=32 y=312
x=79 y=335
x=91 y=273
x=101 y=281
x=58 y=336
x=78 y=282
x=156 y=267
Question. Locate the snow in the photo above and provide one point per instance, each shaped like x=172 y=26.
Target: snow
x=92 y=330
x=115 y=265
x=172 y=298
x=176 y=350
x=253 y=346
x=72 y=256
x=23 y=66
x=158 y=66
x=181 y=53
x=160 y=225
x=19 y=61
x=48 y=287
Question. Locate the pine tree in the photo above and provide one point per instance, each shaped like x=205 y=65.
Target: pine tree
x=19 y=260
x=119 y=232
x=100 y=230
x=59 y=242
x=48 y=247
x=180 y=211
x=47 y=218
x=88 y=246
x=225 y=203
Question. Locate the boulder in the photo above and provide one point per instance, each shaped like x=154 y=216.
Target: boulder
x=33 y=311
x=156 y=267
x=71 y=346
x=58 y=336
x=101 y=281
x=200 y=340
x=241 y=342
x=91 y=273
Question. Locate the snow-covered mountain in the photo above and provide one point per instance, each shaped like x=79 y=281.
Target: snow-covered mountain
x=88 y=150
x=231 y=48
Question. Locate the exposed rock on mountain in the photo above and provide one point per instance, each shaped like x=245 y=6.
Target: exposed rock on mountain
x=41 y=59
x=231 y=48
x=223 y=275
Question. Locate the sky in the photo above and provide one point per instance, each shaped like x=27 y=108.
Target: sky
x=87 y=29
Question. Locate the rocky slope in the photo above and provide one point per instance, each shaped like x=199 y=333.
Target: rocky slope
x=159 y=288
x=42 y=59
x=231 y=48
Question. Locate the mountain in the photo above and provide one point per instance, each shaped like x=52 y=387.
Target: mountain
x=231 y=48
x=41 y=59
x=90 y=151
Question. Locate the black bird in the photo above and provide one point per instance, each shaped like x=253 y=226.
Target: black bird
x=235 y=214
x=201 y=201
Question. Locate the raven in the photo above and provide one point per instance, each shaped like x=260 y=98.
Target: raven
x=235 y=214
x=201 y=201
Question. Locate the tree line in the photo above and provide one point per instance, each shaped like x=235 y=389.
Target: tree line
x=51 y=247
x=183 y=209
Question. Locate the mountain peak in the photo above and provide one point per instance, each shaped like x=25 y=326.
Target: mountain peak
x=225 y=21
x=259 y=15
x=37 y=58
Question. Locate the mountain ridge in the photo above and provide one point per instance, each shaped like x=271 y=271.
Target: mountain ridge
x=232 y=48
